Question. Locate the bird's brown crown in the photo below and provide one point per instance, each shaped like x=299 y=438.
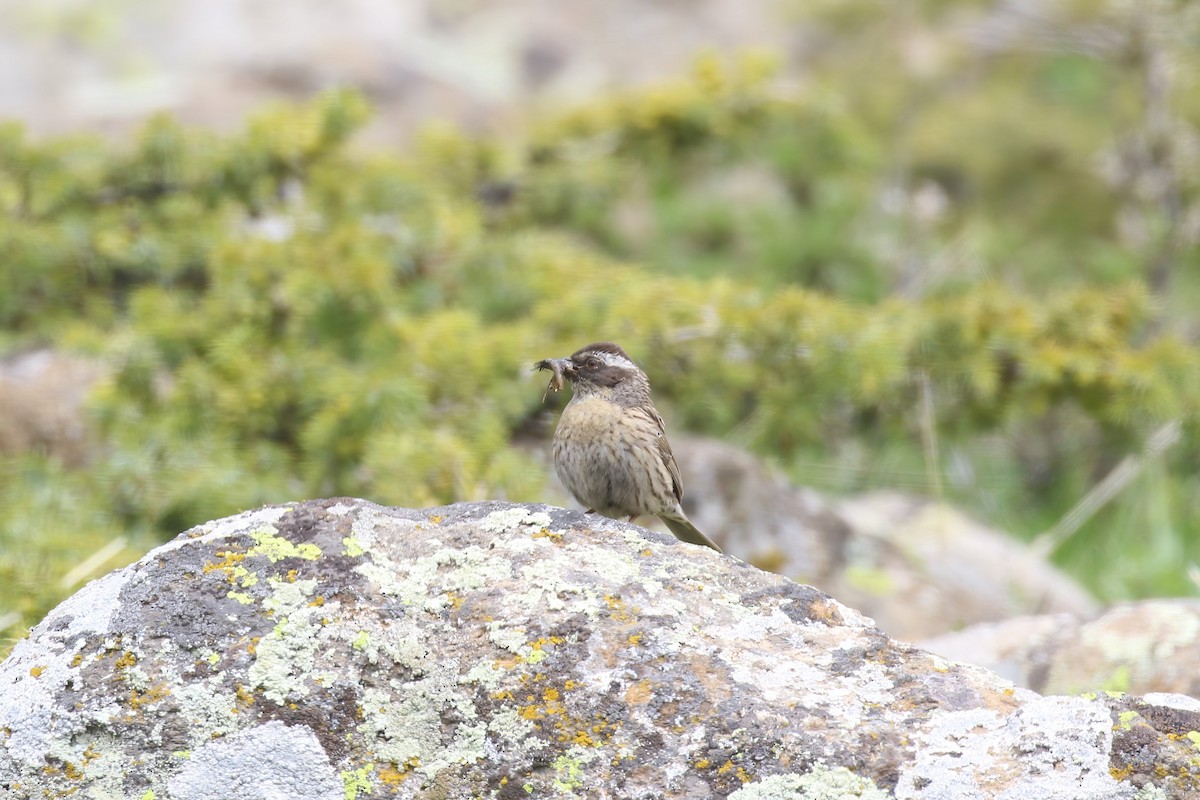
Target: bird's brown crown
x=600 y=348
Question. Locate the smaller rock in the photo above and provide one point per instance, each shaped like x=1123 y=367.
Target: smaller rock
x=1145 y=647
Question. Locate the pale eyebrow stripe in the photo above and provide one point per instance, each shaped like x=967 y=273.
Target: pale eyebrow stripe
x=614 y=360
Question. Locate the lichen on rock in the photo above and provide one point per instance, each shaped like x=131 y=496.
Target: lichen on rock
x=341 y=649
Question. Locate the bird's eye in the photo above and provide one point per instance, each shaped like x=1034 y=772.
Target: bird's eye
x=593 y=363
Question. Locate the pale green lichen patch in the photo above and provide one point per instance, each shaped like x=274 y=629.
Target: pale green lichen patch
x=821 y=783
x=1151 y=792
x=352 y=547
x=424 y=582
x=207 y=708
x=400 y=645
x=512 y=518
x=276 y=548
x=366 y=523
x=284 y=658
x=508 y=638
x=136 y=678
x=487 y=675
x=341 y=509
x=407 y=727
x=289 y=597
x=508 y=725
x=241 y=597
x=91 y=757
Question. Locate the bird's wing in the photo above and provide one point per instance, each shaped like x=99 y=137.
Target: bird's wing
x=664 y=449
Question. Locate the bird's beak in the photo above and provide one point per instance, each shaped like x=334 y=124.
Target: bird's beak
x=559 y=366
x=563 y=368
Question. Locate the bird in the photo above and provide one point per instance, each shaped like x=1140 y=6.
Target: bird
x=610 y=446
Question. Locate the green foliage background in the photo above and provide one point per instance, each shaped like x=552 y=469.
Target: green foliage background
x=989 y=252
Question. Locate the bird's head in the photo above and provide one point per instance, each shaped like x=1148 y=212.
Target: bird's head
x=602 y=368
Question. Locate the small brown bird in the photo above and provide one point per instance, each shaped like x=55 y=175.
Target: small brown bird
x=610 y=447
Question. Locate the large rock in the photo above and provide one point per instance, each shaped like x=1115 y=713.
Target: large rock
x=338 y=649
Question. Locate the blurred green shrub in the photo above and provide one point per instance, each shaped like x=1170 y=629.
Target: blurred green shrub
x=284 y=318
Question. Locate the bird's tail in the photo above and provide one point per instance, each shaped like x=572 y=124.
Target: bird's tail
x=685 y=531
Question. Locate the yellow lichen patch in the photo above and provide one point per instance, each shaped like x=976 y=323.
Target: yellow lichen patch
x=583 y=739
x=537 y=648
x=317 y=601
x=245 y=698
x=127 y=659
x=545 y=533
x=702 y=763
x=647 y=552
x=90 y=755
x=638 y=694
x=549 y=712
x=230 y=559
x=436 y=519
x=36 y=671
x=456 y=600
x=291 y=575
x=235 y=574
x=394 y=775
x=138 y=700
x=635 y=639
x=508 y=662
x=1121 y=773
x=618 y=610
x=68 y=770
x=77 y=659
x=549 y=706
